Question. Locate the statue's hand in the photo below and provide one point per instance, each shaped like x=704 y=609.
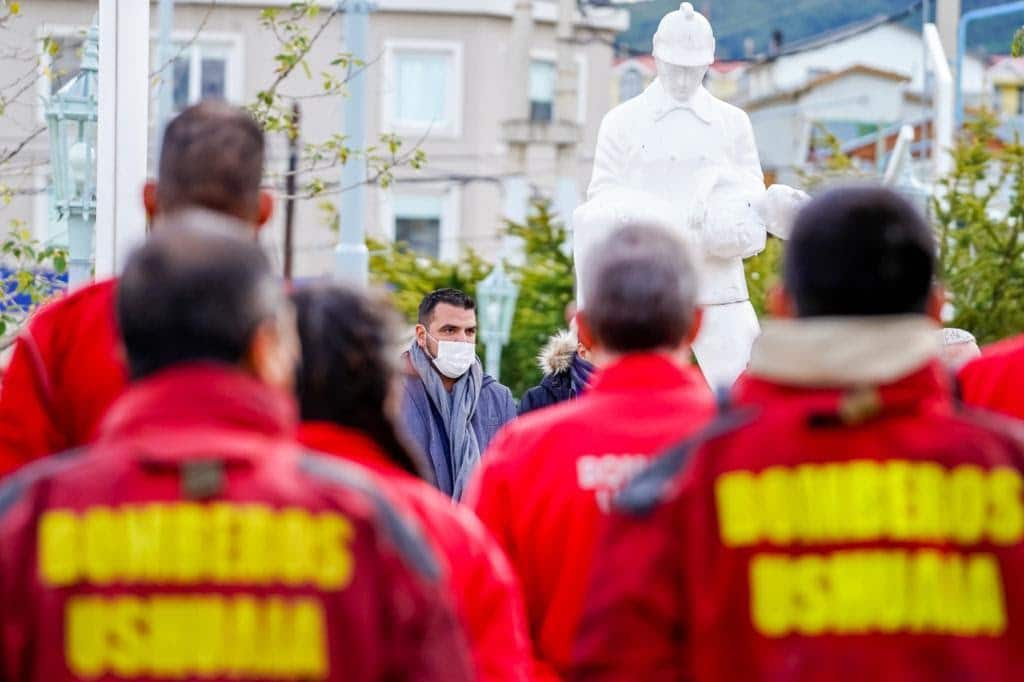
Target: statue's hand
x=733 y=229
x=778 y=207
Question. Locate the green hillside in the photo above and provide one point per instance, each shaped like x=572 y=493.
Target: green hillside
x=736 y=20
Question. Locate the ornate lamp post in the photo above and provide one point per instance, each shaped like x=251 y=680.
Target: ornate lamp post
x=71 y=115
x=496 y=295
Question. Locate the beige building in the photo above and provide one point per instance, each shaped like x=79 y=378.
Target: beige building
x=441 y=74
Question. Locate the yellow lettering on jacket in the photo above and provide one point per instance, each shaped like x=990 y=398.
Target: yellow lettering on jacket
x=867 y=501
x=196 y=636
x=192 y=544
x=877 y=591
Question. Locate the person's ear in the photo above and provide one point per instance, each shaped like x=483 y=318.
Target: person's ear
x=779 y=303
x=698 y=320
x=149 y=199
x=266 y=208
x=421 y=337
x=273 y=354
x=936 y=302
x=583 y=331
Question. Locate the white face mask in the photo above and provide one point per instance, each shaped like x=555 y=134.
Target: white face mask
x=454 y=358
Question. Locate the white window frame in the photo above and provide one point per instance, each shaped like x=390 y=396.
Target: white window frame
x=449 y=237
x=451 y=129
x=234 y=80
x=231 y=44
x=582 y=79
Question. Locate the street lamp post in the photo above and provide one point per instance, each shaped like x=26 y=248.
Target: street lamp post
x=351 y=258
x=497 y=296
x=71 y=116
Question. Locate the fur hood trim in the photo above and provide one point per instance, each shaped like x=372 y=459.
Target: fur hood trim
x=557 y=355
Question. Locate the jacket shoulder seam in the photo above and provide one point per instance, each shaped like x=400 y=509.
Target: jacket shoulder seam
x=14 y=487
x=652 y=485
x=407 y=540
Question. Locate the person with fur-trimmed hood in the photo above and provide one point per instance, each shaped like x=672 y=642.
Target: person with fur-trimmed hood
x=567 y=370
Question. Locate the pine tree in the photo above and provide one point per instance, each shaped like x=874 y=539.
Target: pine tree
x=546 y=284
x=979 y=215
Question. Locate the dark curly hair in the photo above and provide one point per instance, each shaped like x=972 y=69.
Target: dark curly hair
x=349 y=366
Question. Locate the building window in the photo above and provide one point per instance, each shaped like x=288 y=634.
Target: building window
x=631 y=84
x=201 y=71
x=543 y=75
x=1020 y=101
x=418 y=223
x=424 y=92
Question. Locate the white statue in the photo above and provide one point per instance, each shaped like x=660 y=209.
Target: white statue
x=679 y=145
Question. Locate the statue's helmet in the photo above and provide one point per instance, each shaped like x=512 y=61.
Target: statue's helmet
x=685 y=38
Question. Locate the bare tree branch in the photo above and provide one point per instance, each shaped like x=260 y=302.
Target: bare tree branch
x=191 y=41
x=6 y=155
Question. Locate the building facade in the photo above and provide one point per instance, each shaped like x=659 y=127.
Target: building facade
x=438 y=76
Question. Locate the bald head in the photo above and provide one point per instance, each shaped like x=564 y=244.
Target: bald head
x=212 y=157
x=640 y=290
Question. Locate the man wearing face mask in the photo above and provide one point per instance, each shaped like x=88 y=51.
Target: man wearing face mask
x=679 y=144
x=450 y=408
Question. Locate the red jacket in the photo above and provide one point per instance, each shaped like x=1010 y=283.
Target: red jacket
x=66 y=370
x=486 y=591
x=194 y=539
x=544 y=482
x=995 y=381
x=818 y=535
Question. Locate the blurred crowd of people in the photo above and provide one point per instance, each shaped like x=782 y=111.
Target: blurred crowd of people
x=208 y=476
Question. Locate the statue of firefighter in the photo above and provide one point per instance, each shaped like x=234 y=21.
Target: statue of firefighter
x=676 y=145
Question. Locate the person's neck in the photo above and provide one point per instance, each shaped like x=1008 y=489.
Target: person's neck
x=677 y=356
x=448 y=384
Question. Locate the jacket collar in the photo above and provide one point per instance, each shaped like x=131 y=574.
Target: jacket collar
x=556 y=356
x=643 y=373
x=839 y=352
x=661 y=103
x=347 y=443
x=185 y=413
x=848 y=370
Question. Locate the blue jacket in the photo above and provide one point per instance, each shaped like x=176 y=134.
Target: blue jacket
x=423 y=425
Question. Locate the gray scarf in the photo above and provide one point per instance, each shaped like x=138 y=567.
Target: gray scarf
x=456 y=409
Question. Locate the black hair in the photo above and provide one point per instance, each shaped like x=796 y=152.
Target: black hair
x=212 y=157
x=348 y=366
x=452 y=297
x=640 y=290
x=859 y=251
x=188 y=296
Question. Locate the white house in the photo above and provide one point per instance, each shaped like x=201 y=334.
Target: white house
x=879 y=43
x=850 y=83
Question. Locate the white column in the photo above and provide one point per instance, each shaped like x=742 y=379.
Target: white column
x=947 y=18
x=943 y=103
x=123 y=130
x=566 y=112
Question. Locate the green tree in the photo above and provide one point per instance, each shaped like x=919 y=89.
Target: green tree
x=763 y=273
x=410 y=276
x=979 y=218
x=545 y=281
x=30 y=277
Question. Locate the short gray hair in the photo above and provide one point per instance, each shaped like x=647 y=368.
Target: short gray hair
x=640 y=289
